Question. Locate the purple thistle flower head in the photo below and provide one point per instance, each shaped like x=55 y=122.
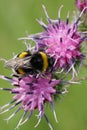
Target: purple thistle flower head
x=31 y=93
x=61 y=40
x=81 y=4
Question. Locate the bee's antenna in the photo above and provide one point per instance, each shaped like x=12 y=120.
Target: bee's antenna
x=2 y=59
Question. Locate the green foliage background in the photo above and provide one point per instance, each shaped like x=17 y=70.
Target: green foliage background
x=17 y=17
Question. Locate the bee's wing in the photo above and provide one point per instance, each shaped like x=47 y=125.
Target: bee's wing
x=12 y=63
x=26 y=62
x=17 y=62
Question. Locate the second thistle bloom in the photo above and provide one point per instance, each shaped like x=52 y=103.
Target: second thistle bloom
x=81 y=4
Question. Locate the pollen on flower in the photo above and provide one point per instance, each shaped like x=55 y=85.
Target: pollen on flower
x=61 y=40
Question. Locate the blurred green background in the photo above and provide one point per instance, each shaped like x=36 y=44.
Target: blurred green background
x=16 y=18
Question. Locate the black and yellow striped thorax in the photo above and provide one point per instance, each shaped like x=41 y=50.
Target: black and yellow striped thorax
x=39 y=61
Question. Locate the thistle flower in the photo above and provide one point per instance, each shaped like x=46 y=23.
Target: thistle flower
x=81 y=4
x=31 y=93
x=61 y=40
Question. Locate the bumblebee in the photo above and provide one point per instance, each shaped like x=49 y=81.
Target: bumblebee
x=27 y=63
